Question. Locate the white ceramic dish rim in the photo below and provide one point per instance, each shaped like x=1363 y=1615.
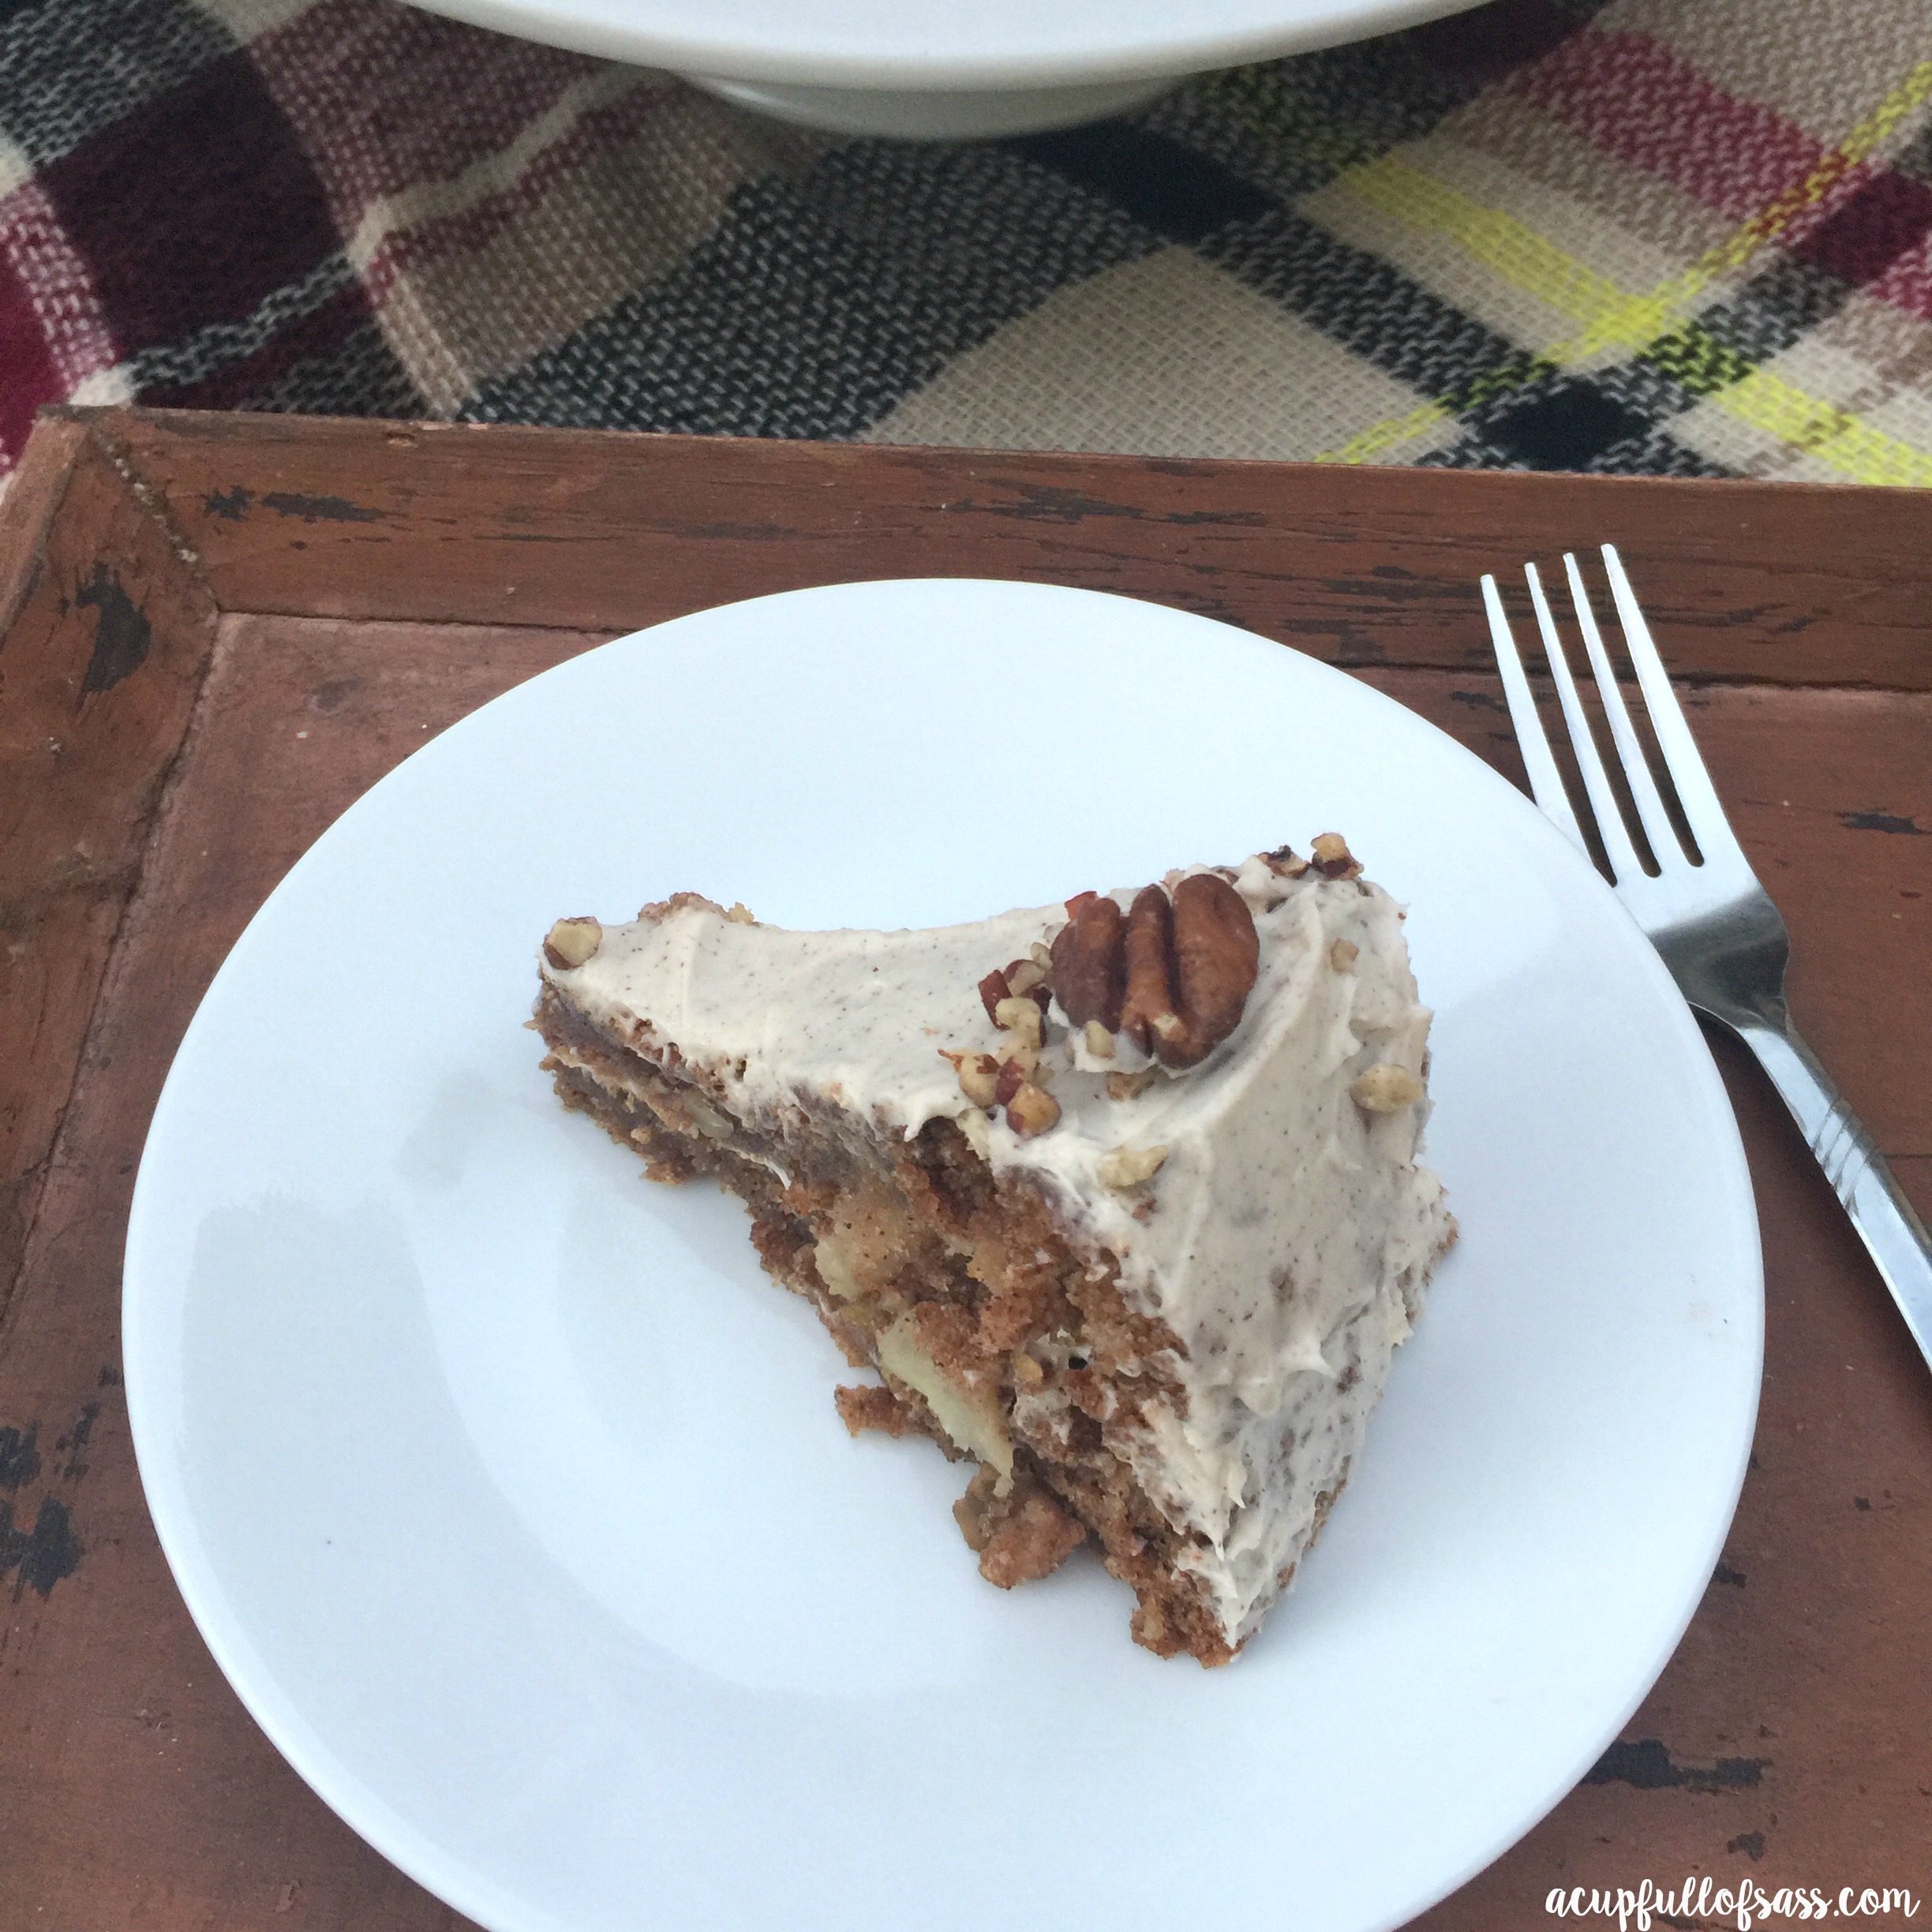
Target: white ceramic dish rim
x=831 y=47
x=395 y=1835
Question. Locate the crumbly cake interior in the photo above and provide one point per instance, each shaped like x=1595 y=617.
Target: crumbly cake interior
x=993 y=1332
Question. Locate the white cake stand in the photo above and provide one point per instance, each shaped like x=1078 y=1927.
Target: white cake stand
x=939 y=70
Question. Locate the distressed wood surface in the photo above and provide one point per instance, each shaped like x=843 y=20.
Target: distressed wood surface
x=1790 y=1739
x=106 y=632
x=1357 y=566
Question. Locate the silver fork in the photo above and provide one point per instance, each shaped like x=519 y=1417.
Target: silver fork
x=1722 y=939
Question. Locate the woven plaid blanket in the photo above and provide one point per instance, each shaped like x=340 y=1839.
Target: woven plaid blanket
x=1682 y=236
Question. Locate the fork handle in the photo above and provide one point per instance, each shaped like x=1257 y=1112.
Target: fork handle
x=1886 y=1221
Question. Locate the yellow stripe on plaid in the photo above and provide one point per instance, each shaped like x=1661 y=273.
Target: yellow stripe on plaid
x=1611 y=317
x=1615 y=318
x=1821 y=429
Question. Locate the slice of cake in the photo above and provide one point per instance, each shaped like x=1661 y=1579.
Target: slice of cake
x=1120 y=1198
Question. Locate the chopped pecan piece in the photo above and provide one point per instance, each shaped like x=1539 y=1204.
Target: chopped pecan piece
x=572 y=941
x=1034 y=979
x=1020 y=979
x=979 y=1075
x=1031 y=1110
x=1333 y=859
x=1024 y=975
x=1021 y=1017
x=1022 y=1054
x=1386 y=1088
x=1127 y=1167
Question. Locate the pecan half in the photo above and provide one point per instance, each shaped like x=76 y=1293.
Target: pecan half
x=1089 y=972
x=1147 y=952
x=1190 y=966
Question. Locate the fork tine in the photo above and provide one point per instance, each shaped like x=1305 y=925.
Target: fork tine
x=1703 y=811
x=1657 y=827
x=1624 y=864
x=1546 y=783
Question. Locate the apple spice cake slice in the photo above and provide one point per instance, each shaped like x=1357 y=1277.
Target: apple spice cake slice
x=1120 y=1200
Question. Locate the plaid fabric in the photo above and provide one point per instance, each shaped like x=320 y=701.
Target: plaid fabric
x=1682 y=236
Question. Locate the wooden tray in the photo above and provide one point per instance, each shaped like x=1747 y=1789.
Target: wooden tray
x=216 y=630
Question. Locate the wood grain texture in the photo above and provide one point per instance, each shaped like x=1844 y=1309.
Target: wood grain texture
x=1790 y=1739
x=107 y=630
x=1357 y=565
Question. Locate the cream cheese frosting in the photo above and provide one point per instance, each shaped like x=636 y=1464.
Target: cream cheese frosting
x=1284 y=1238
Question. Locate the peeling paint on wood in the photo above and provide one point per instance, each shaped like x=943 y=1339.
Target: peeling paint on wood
x=1880 y=822
x=319 y=509
x=123 y=635
x=1649 y=1766
x=42 y=1556
x=19 y=1457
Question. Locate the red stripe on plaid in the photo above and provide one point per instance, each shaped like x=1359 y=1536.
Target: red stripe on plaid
x=600 y=131
x=192 y=208
x=1882 y=222
x=1632 y=97
x=1908 y=283
x=388 y=97
x=1485 y=42
x=30 y=377
x=55 y=284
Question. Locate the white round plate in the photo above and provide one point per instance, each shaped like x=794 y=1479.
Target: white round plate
x=509 y=1493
